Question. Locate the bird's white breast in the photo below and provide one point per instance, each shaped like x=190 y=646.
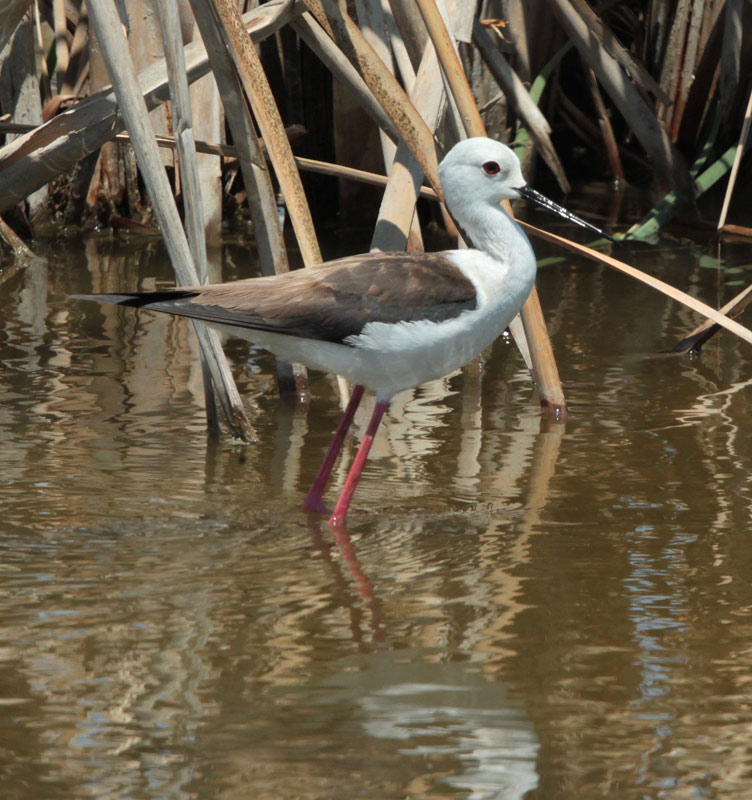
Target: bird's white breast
x=409 y=353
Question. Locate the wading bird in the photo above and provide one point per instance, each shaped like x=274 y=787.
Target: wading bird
x=386 y=321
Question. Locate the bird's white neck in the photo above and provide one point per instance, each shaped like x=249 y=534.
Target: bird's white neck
x=492 y=230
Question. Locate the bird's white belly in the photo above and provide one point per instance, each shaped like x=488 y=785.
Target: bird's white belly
x=411 y=353
x=388 y=358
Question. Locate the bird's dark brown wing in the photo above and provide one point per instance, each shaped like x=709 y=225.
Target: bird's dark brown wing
x=328 y=302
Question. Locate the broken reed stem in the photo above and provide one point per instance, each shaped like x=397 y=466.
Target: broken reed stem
x=703 y=332
x=182 y=121
x=609 y=140
x=545 y=371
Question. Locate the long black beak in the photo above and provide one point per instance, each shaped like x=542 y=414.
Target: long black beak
x=542 y=200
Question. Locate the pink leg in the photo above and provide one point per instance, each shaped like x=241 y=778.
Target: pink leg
x=314 y=501
x=340 y=511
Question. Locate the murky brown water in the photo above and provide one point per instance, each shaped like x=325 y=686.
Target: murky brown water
x=521 y=609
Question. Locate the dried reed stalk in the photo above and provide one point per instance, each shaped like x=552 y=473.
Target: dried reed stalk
x=291 y=378
x=671 y=66
x=517 y=95
x=61 y=41
x=396 y=224
x=182 y=123
x=643 y=277
x=270 y=124
x=410 y=125
x=607 y=131
x=29 y=162
x=731 y=51
x=78 y=64
x=638 y=114
x=232 y=152
x=545 y=371
x=737 y=160
x=109 y=32
x=334 y=59
x=11 y=13
x=690 y=58
x=14 y=243
x=611 y=45
x=403 y=186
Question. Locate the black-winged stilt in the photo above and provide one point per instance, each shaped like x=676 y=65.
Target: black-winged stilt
x=386 y=321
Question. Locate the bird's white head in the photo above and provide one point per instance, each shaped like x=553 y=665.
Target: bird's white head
x=480 y=170
x=478 y=173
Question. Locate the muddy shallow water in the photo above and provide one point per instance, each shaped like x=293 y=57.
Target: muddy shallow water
x=519 y=608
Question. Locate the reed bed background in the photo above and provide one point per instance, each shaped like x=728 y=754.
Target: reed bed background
x=166 y=114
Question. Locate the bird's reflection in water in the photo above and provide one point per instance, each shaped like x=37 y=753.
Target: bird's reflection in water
x=343 y=585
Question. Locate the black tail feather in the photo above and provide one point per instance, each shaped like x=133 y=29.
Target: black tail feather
x=138 y=299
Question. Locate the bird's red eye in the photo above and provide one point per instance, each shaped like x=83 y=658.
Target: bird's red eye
x=491 y=168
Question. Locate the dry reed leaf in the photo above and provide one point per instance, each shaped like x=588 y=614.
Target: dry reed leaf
x=663 y=287
x=292 y=379
x=520 y=99
x=337 y=63
x=603 y=34
x=11 y=13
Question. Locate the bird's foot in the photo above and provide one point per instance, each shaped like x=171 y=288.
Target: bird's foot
x=315 y=503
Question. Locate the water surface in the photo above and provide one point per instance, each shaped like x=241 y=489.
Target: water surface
x=519 y=608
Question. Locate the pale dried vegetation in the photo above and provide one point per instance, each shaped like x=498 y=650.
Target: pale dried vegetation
x=655 y=93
